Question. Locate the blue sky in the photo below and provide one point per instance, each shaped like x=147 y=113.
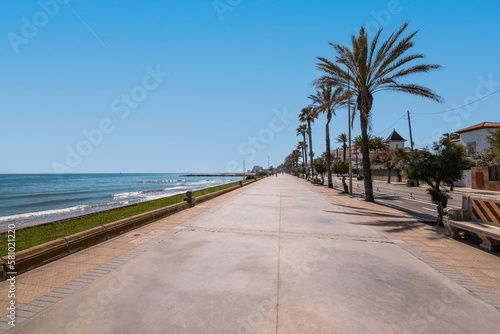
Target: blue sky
x=178 y=86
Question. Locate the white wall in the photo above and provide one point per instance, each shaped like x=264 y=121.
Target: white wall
x=478 y=136
x=400 y=144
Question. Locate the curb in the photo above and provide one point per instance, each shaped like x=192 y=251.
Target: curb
x=53 y=250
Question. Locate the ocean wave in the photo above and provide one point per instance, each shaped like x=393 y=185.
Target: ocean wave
x=41 y=195
x=163 y=181
x=52 y=202
x=23 y=216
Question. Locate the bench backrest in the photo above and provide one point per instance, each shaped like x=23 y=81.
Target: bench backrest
x=484 y=209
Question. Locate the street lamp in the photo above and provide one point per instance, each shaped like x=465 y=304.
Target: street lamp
x=349 y=124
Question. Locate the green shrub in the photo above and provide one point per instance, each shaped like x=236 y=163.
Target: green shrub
x=360 y=177
x=261 y=174
x=250 y=177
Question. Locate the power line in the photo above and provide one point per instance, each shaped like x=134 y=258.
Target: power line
x=391 y=125
x=464 y=105
x=442 y=112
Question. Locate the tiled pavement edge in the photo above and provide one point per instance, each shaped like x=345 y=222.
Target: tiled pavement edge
x=55 y=294
x=466 y=256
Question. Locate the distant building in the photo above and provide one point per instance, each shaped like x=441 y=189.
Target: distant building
x=474 y=138
x=395 y=140
x=256 y=169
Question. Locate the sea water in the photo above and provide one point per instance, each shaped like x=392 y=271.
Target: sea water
x=30 y=199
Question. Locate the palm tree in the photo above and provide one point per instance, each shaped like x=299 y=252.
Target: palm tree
x=301 y=146
x=327 y=100
x=296 y=156
x=309 y=115
x=371 y=69
x=357 y=144
x=342 y=138
x=302 y=130
x=377 y=144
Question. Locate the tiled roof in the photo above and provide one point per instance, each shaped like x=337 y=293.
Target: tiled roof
x=484 y=125
x=394 y=136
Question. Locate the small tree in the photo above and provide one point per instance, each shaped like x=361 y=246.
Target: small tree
x=444 y=165
x=490 y=156
x=387 y=157
x=320 y=168
x=494 y=140
x=341 y=167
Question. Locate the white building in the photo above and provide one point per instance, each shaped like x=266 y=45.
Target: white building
x=395 y=140
x=474 y=138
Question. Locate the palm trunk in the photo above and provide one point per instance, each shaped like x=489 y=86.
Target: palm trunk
x=328 y=153
x=305 y=145
x=367 y=173
x=357 y=167
x=345 y=151
x=310 y=147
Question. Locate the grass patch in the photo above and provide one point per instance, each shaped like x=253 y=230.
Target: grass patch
x=38 y=235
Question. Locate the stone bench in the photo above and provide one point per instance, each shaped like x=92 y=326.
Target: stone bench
x=480 y=216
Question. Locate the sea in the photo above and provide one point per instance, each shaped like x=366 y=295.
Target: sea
x=31 y=199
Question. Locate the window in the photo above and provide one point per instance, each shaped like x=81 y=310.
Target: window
x=471 y=147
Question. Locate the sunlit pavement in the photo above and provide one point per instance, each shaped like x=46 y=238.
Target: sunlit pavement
x=277 y=257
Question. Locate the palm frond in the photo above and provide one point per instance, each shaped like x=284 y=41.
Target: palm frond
x=414 y=90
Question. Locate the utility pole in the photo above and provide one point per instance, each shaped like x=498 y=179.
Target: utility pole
x=409 y=125
x=416 y=183
x=243 y=170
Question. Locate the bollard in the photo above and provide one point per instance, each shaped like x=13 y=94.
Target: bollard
x=241 y=183
x=378 y=190
x=189 y=198
x=411 y=195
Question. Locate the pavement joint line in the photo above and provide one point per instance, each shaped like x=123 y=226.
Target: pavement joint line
x=37 y=302
x=279 y=266
x=71 y=289
x=84 y=280
x=32 y=308
x=24 y=313
x=57 y=294
x=75 y=284
x=50 y=299
x=92 y=276
x=290 y=234
x=99 y=272
x=4 y=327
x=65 y=291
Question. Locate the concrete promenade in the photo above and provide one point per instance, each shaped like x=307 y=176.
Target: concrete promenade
x=277 y=257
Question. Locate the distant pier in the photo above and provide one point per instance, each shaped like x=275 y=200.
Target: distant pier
x=217 y=175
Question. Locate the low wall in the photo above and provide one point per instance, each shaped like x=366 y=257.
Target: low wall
x=382 y=175
x=481 y=179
